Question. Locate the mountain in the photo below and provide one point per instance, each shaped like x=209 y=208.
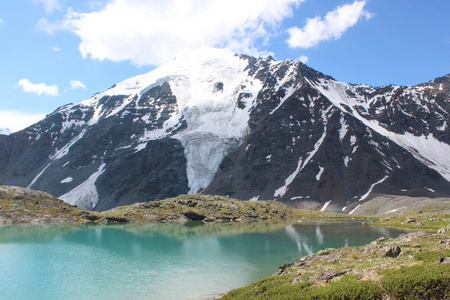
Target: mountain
x=5 y=131
x=251 y=128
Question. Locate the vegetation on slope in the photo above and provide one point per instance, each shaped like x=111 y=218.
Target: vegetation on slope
x=20 y=205
x=199 y=207
x=419 y=220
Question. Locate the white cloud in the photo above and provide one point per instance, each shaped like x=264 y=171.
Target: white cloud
x=151 y=32
x=16 y=121
x=76 y=84
x=56 y=49
x=50 y=5
x=38 y=88
x=303 y=59
x=50 y=28
x=1 y=20
x=334 y=24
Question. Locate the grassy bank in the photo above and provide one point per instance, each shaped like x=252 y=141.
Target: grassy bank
x=404 y=268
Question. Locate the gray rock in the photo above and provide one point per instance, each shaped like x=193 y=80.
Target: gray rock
x=389 y=250
x=411 y=220
x=443 y=260
x=444 y=229
x=192 y=215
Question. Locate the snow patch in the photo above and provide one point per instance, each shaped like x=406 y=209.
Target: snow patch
x=319 y=175
x=38 y=175
x=67 y=180
x=344 y=129
x=443 y=126
x=354 y=209
x=393 y=210
x=85 y=196
x=430 y=189
x=346 y=160
x=325 y=205
x=363 y=197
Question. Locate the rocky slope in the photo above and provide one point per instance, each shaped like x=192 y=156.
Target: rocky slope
x=249 y=128
x=20 y=205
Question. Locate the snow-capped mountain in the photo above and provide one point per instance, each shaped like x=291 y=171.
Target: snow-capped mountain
x=5 y=131
x=251 y=128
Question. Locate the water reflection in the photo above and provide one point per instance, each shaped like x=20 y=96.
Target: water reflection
x=166 y=261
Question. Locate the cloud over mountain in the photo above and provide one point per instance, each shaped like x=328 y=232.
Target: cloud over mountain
x=153 y=32
x=38 y=88
x=333 y=26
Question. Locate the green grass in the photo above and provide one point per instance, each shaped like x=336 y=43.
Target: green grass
x=428 y=281
x=425 y=220
x=348 y=287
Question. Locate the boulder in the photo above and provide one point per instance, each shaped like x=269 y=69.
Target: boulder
x=443 y=260
x=389 y=250
x=444 y=229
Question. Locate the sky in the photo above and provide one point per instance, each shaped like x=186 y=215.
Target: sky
x=55 y=52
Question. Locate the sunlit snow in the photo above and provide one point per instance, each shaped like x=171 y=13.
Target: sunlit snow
x=325 y=205
x=85 y=196
x=67 y=180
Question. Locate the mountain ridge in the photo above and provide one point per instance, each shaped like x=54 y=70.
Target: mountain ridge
x=250 y=128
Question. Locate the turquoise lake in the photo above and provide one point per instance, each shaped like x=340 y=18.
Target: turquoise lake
x=159 y=261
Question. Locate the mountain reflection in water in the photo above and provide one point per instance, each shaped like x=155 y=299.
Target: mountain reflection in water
x=159 y=261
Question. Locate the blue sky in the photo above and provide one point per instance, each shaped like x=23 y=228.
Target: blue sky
x=55 y=52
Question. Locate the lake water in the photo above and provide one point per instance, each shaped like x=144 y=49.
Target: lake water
x=159 y=261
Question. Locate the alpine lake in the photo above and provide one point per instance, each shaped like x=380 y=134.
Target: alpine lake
x=160 y=260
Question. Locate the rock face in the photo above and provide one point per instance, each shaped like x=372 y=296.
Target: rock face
x=249 y=128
